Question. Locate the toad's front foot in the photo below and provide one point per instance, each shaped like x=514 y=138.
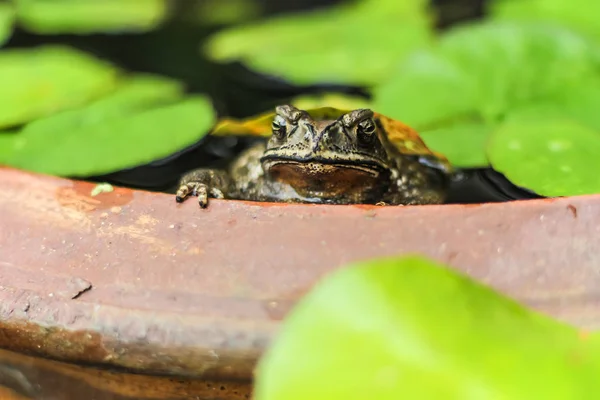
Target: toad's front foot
x=198 y=189
x=203 y=184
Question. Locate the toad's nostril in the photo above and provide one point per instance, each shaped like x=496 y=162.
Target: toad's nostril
x=319 y=139
x=316 y=146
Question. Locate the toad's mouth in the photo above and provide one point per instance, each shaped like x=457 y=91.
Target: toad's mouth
x=324 y=176
x=357 y=162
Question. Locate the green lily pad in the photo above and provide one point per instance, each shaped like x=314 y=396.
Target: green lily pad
x=41 y=81
x=7 y=19
x=410 y=328
x=83 y=16
x=136 y=94
x=462 y=144
x=362 y=47
x=219 y=12
x=581 y=103
x=335 y=100
x=552 y=157
x=146 y=120
x=482 y=72
x=581 y=15
x=7 y=142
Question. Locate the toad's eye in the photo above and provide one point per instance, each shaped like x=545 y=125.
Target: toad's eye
x=365 y=130
x=279 y=127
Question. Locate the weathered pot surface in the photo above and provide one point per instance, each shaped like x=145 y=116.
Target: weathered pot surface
x=132 y=279
x=24 y=377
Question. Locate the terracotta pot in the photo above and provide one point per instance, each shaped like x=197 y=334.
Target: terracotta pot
x=130 y=279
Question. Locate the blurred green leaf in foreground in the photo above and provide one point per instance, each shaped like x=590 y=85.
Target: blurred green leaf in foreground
x=356 y=44
x=410 y=328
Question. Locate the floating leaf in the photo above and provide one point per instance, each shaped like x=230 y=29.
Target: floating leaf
x=483 y=71
x=7 y=143
x=577 y=106
x=463 y=144
x=552 y=157
x=136 y=94
x=581 y=15
x=411 y=328
x=335 y=100
x=45 y=80
x=364 y=44
x=426 y=90
x=219 y=12
x=83 y=16
x=112 y=135
x=7 y=19
x=581 y=103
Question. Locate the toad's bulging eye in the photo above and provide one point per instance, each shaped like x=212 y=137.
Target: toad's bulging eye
x=279 y=127
x=366 y=131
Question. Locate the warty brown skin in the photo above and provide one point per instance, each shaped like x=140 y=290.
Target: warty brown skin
x=348 y=160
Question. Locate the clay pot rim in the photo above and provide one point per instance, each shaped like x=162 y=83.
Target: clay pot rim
x=225 y=316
